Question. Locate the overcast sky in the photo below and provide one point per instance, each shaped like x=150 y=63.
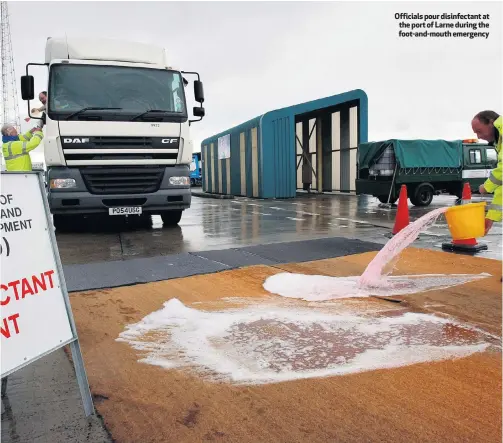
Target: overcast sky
x=255 y=57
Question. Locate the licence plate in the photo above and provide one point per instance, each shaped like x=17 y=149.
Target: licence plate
x=125 y=210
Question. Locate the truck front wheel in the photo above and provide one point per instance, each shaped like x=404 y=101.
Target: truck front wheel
x=63 y=222
x=171 y=218
x=422 y=195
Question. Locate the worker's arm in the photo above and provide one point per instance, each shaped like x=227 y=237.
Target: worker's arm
x=494 y=214
x=26 y=136
x=494 y=180
x=42 y=108
x=22 y=147
x=35 y=140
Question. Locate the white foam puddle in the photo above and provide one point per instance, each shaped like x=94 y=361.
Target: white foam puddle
x=321 y=288
x=267 y=343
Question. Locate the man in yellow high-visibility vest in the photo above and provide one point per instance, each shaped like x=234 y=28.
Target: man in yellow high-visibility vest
x=16 y=148
x=488 y=126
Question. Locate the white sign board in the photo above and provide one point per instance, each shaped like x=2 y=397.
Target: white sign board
x=224 y=147
x=36 y=317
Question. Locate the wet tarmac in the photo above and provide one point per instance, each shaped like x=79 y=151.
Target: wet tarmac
x=43 y=405
x=212 y=224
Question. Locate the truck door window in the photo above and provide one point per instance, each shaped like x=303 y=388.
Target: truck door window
x=475 y=156
x=492 y=157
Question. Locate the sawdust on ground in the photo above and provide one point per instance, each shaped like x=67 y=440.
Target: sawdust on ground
x=448 y=401
x=478 y=302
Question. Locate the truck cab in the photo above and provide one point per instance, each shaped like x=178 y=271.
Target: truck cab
x=478 y=162
x=117 y=129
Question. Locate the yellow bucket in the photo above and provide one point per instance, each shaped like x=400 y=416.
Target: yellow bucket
x=466 y=221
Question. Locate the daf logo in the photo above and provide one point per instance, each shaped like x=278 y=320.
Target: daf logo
x=169 y=140
x=75 y=140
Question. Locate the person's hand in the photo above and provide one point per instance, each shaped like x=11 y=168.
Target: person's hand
x=482 y=190
x=489 y=225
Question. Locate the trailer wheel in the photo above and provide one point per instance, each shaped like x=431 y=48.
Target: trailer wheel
x=422 y=195
x=384 y=199
x=171 y=218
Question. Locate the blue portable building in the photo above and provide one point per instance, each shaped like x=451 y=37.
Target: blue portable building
x=310 y=146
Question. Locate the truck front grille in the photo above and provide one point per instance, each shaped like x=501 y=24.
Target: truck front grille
x=122 y=180
x=79 y=151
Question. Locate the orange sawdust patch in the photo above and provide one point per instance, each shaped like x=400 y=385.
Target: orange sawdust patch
x=447 y=401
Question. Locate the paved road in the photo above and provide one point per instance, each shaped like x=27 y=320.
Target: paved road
x=212 y=224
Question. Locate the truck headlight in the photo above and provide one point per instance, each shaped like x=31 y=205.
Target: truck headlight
x=63 y=183
x=179 y=181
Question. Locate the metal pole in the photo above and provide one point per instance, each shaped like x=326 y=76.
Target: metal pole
x=392 y=183
x=80 y=371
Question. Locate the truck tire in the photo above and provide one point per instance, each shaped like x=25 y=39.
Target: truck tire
x=422 y=195
x=62 y=223
x=384 y=199
x=171 y=218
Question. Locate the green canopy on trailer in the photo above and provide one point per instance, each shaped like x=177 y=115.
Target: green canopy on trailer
x=414 y=153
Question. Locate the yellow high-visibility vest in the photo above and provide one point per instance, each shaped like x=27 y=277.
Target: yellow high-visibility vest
x=17 y=153
x=493 y=183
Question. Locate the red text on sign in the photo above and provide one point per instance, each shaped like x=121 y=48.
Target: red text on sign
x=19 y=289
x=7 y=330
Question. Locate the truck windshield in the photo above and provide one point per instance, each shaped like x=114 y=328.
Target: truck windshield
x=115 y=93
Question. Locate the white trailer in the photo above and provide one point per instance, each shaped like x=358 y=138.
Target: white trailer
x=116 y=129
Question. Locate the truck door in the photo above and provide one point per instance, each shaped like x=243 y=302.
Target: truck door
x=474 y=165
x=491 y=159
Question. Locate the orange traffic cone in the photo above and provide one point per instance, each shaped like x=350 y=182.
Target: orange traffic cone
x=470 y=244
x=402 y=214
x=466 y=196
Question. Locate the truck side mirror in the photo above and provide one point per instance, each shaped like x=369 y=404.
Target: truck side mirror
x=27 y=87
x=198 y=91
x=198 y=112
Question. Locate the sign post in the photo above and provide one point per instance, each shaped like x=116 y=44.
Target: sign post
x=36 y=316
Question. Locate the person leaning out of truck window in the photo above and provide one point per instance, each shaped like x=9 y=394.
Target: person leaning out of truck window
x=43 y=99
x=488 y=126
x=16 y=148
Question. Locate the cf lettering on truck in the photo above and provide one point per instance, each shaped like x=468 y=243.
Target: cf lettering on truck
x=117 y=127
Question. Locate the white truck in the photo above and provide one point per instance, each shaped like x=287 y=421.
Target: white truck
x=116 y=129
